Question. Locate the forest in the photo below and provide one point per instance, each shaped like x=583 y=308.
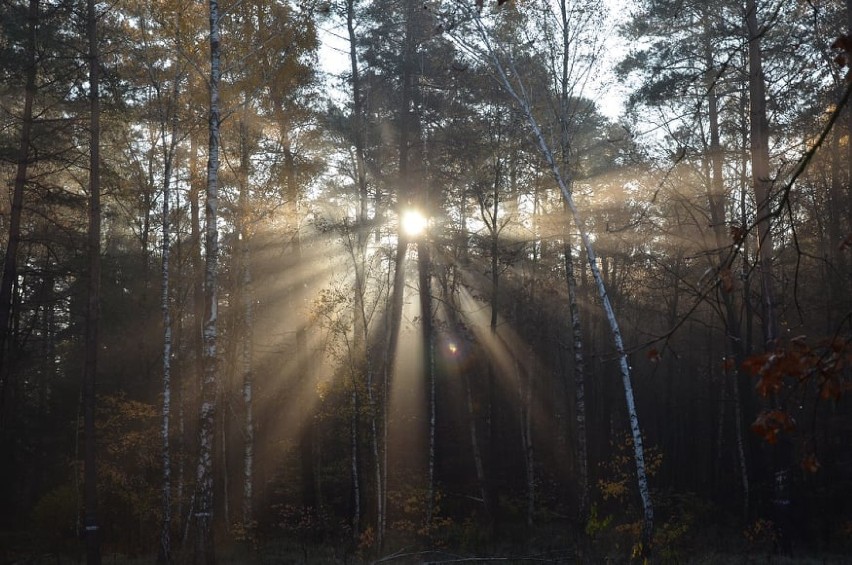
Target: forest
x=410 y=281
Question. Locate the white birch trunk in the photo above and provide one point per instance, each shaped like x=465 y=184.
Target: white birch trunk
x=581 y=446
x=169 y=140
x=247 y=335
x=581 y=449
x=204 y=511
x=520 y=97
x=165 y=535
x=248 y=381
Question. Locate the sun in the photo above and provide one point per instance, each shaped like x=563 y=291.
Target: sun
x=413 y=223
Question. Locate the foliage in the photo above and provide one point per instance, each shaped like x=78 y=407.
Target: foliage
x=128 y=465
x=55 y=519
x=410 y=504
x=792 y=371
x=311 y=186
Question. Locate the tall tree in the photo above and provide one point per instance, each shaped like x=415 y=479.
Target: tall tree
x=90 y=364
x=761 y=179
x=513 y=82
x=205 y=549
x=10 y=263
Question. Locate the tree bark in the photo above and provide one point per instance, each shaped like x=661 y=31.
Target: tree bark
x=169 y=143
x=204 y=548
x=361 y=329
x=247 y=334
x=10 y=263
x=725 y=253
x=523 y=101
x=761 y=181
x=425 y=277
x=581 y=445
x=90 y=363
x=581 y=448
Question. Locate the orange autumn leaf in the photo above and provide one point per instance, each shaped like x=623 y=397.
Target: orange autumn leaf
x=769 y=424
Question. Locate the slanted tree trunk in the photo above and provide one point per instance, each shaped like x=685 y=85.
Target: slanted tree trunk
x=90 y=363
x=519 y=95
x=204 y=546
x=10 y=263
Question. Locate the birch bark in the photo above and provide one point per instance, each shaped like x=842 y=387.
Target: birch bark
x=247 y=335
x=581 y=449
x=359 y=258
x=517 y=93
x=204 y=549
x=170 y=143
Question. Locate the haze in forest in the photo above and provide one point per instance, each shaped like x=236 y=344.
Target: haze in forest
x=407 y=282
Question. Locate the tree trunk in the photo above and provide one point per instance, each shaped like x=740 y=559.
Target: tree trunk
x=361 y=329
x=353 y=460
x=425 y=276
x=761 y=180
x=726 y=254
x=10 y=263
x=204 y=548
x=90 y=364
x=169 y=145
x=581 y=447
x=525 y=404
x=246 y=335
x=523 y=102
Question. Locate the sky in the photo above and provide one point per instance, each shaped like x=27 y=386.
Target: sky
x=609 y=94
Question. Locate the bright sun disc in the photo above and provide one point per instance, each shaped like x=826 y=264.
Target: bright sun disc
x=413 y=223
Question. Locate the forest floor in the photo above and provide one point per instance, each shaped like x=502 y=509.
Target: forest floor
x=327 y=556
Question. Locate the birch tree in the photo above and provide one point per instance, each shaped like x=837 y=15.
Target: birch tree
x=204 y=548
x=501 y=61
x=579 y=42
x=164 y=104
x=358 y=250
